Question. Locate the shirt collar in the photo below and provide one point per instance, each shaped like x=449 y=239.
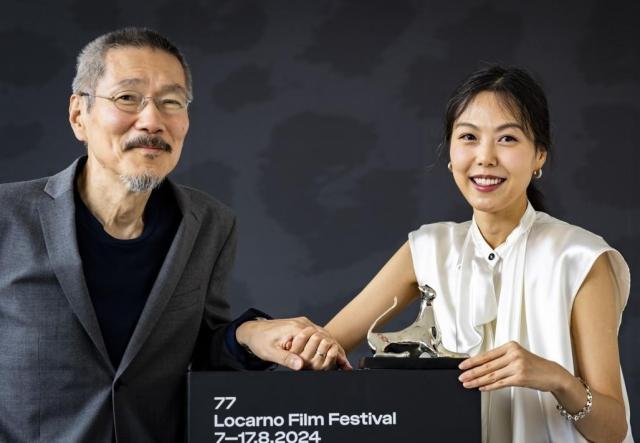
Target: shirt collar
x=483 y=248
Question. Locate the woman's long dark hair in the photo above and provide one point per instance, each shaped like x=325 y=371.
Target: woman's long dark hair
x=521 y=94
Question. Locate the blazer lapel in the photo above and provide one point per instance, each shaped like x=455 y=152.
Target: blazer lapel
x=167 y=279
x=57 y=216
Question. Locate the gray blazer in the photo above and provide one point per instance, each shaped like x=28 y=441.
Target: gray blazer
x=57 y=383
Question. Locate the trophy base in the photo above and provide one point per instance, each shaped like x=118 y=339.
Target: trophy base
x=409 y=363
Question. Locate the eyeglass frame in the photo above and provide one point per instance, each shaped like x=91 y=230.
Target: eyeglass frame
x=141 y=106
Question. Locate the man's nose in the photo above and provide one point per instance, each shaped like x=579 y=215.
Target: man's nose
x=150 y=119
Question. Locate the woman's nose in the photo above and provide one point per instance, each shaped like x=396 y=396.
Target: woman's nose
x=486 y=154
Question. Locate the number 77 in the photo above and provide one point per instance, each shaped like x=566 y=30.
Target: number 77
x=221 y=401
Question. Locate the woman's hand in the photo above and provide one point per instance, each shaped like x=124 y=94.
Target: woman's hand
x=512 y=365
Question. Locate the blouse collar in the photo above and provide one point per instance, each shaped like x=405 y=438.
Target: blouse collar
x=485 y=250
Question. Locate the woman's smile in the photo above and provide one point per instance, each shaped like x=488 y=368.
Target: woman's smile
x=486 y=183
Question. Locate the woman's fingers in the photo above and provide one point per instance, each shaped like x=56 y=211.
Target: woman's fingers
x=509 y=380
x=329 y=361
x=484 y=369
x=286 y=342
x=489 y=378
x=300 y=341
x=488 y=356
x=322 y=354
x=310 y=350
x=515 y=367
x=495 y=368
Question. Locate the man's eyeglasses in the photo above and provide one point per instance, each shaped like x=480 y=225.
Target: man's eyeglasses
x=134 y=102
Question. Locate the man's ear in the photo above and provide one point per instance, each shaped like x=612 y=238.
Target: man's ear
x=76 y=117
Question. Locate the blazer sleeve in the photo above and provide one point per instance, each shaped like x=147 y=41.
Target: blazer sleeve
x=216 y=348
x=211 y=352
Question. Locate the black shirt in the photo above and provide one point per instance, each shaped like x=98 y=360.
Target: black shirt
x=121 y=273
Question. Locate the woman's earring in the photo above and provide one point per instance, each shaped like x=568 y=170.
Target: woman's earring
x=537 y=174
x=449 y=166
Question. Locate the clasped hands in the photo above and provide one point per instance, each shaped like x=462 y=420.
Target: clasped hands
x=296 y=343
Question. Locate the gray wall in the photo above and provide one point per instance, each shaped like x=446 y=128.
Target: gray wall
x=318 y=121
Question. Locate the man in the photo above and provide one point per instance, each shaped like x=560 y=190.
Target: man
x=112 y=279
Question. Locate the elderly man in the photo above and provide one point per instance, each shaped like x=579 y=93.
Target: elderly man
x=112 y=279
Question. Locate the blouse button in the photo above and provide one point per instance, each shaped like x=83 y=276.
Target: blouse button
x=492 y=256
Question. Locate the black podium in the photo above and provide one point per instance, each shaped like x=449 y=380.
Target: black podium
x=376 y=405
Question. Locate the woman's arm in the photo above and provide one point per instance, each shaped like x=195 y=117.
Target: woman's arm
x=594 y=327
x=594 y=330
x=395 y=279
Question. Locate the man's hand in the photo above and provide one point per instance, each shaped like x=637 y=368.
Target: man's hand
x=296 y=343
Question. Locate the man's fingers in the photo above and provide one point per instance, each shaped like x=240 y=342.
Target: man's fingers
x=288 y=359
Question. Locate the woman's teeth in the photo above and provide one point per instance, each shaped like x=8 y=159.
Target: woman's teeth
x=482 y=181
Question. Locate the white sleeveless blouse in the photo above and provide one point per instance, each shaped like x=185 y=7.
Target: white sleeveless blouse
x=523 y=291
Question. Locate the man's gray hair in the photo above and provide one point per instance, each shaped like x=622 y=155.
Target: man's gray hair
x=141 y=183
x=90 y=66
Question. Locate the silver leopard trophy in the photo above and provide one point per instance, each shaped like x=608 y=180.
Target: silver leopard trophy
x=421 y=339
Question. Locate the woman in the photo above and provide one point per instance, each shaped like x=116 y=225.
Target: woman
x=535 y=301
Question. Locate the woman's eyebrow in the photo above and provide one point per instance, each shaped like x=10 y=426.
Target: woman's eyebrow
x=510 y=125
x=499 y=128
x=465 y=124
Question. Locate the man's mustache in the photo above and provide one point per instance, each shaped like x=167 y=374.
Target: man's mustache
x=148 y=140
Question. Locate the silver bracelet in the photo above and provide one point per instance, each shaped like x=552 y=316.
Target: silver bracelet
x=582 y=412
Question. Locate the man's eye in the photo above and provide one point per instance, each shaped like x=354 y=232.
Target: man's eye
x=170 y=103
x=128 y=98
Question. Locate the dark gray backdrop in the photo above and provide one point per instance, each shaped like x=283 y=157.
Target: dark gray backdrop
x=318 y=122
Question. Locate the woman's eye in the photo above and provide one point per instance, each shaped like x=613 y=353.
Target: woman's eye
x=508 y=139
x=467 y=137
